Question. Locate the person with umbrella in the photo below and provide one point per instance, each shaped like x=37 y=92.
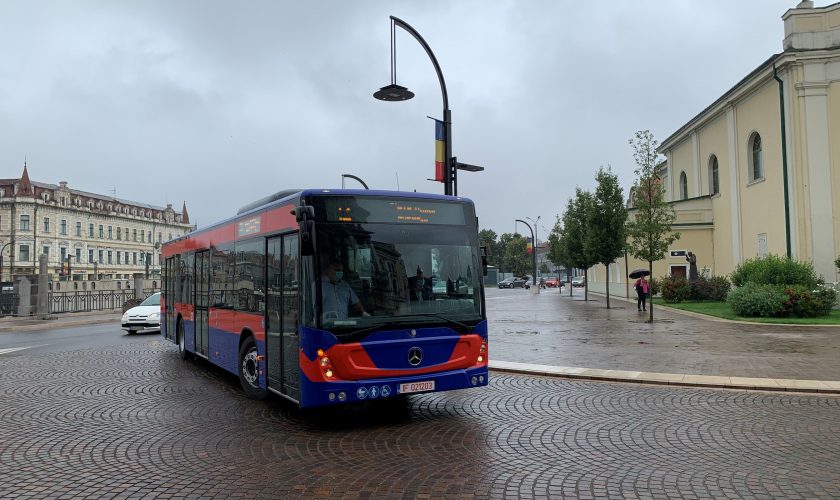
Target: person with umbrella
x=642 y=288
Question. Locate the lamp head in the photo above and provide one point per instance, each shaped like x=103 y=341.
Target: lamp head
x=393 y=92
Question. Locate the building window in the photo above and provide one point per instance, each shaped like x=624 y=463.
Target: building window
x=101 y=232
x=64 y=227
x=90 y=256
x=110 y=232
x=134 y=232
x=23 y=254
x=63 y=252
x=110 y=257
x=24 y=226
x=160 y=238
x=47 y=252
x=47 y=225
x=119 y=233
x=756 y=158
x=134 y=258
x=101 y=259
x=118 y=257
x=78 y=255
x=714 y=176
x=90 y=230
x=683 y=186
x=79 y=229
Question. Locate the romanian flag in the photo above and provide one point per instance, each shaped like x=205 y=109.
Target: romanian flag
x=440 y=151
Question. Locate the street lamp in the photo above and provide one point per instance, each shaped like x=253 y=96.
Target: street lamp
x=533 y=254
x=352 y=177
x=1 y=259
x=536 y=222
x=395 y=93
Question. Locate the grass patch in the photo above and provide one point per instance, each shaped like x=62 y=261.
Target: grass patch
x=722 y=310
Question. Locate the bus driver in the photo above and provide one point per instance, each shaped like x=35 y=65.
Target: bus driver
x=337 y=294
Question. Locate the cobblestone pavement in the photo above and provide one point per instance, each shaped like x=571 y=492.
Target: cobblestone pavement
x=556 y=329
x=132 y=420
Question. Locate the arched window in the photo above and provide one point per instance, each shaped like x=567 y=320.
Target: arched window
x=714 y=176
x=683 y=186
x=756 y=158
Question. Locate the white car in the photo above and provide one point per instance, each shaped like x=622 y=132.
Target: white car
x=143 y=318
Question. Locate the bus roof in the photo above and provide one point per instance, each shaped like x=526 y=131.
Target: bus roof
x=285 y=196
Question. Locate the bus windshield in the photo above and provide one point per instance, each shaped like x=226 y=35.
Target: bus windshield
x=390 y=275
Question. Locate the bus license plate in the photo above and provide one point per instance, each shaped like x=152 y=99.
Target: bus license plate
x=428 y=385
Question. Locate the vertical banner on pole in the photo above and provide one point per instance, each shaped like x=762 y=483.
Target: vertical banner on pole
x=440 y=163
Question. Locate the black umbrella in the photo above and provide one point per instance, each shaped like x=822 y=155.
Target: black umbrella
x=638 y=273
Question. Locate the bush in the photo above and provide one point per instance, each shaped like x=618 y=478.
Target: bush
x=775 y=270
x=654 y=284
x=753 y=299
x=131 y=303
x=675 y=289
x=719 y=288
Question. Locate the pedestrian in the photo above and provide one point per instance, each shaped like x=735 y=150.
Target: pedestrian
x=642 y=289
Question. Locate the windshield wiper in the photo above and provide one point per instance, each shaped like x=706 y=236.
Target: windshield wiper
x=444 y=318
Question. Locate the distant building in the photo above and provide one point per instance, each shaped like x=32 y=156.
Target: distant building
x=103 y=236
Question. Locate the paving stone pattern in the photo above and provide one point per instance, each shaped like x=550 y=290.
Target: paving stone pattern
x=134 y=421
x=555 y=329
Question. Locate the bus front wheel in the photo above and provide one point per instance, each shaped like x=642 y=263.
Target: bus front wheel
x=249 y=370
x=182 y=347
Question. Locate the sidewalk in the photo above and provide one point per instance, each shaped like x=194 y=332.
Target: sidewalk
x=557 y=335
x=63 y=320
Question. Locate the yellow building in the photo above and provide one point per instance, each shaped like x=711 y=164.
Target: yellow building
x=726 y=169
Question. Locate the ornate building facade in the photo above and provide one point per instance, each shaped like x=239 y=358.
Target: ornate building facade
x=85 y=236
x=758 y=170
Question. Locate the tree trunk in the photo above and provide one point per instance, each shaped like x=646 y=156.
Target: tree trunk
x=650 y=288
x=569 y=273
x=608 y=285
x=586 y=285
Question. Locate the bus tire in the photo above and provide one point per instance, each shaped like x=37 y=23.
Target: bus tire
x=183 y=353
x=249 y=371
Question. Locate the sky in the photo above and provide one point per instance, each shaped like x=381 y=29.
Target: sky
x=219 y=103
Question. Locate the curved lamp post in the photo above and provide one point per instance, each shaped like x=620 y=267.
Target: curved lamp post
x=533 y=253
x=2 y=249
x=353 y=177
x=394 y=92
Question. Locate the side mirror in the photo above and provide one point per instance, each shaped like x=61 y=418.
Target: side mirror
x=307 y=238
x=304 y=215
x=484 y=261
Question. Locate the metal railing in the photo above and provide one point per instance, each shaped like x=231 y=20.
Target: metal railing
x=8 y=303
x=91 y=300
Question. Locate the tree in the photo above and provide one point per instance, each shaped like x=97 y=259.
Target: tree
x=557 y=253
x=504 y=241
x=606 y=221
x=487 y=238
x=575 y=222
x=649 y=227
x=517 y=259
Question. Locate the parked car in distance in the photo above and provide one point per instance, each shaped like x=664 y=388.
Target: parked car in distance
x=512 y=283
x=530 y=283
x=552 y=282
x=143 y=318
x=578 y=282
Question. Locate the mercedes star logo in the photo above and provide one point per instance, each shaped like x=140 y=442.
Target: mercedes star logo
x=415 y=356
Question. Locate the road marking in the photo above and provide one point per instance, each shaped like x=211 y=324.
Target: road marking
x=13 y=349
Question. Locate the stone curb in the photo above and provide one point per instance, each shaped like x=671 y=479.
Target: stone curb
x=678 y=379
x=35 y=325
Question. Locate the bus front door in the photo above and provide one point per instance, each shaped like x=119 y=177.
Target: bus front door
x=202 y=299
x=169 y=287
x=283 y=268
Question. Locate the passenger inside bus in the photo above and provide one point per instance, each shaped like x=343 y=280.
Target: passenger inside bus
x=338 y=296
x=419 y=287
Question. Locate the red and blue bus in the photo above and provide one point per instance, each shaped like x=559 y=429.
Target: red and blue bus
x=326 y=296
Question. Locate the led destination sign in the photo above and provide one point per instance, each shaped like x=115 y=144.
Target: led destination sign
x=393 y=211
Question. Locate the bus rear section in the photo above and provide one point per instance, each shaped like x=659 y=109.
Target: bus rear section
x=352 y=296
